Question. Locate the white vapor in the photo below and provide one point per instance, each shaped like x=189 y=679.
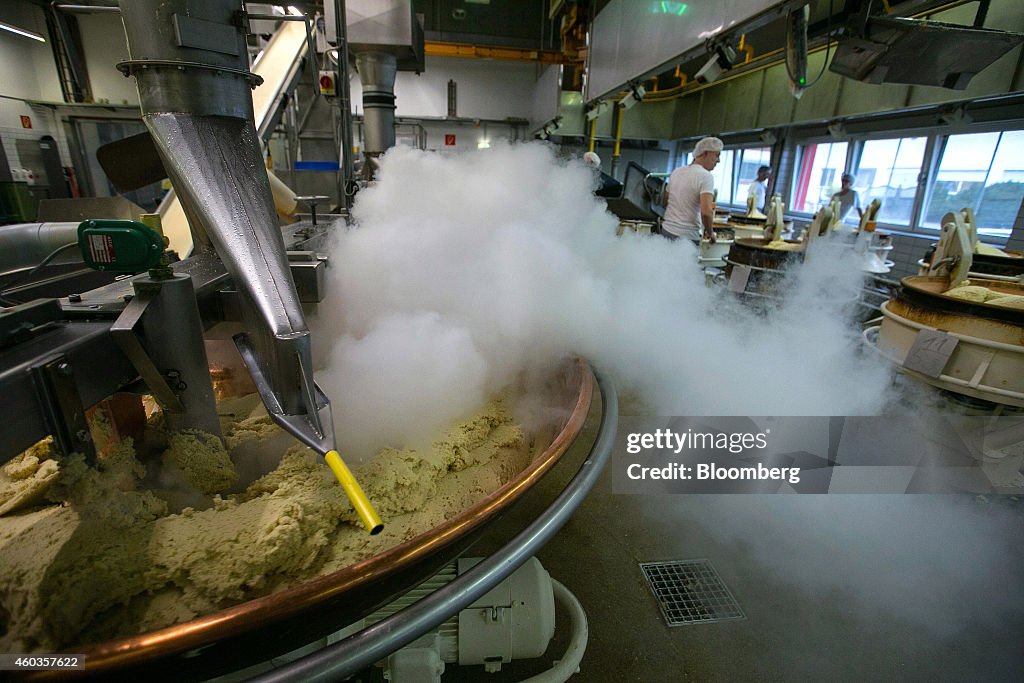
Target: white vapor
x=463 y=272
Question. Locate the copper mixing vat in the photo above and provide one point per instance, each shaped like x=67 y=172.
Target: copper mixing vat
x=260 y=629
x=922 y=299
x=767 y=266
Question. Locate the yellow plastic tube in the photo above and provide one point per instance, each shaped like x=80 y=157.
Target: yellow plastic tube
x=355 y=493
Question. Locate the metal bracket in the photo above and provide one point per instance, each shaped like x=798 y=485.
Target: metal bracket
x=123 y=331
x=62 y=407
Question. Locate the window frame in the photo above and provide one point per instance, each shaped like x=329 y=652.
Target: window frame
x=734 y=179
x=916 y=203
x=936 y=138
x=855 y=131
x=942 y=142
x=798 y=151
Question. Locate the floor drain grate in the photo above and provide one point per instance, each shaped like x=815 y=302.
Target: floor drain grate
x=690 y=592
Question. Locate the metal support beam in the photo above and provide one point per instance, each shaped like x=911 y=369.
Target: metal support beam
x=433 y=48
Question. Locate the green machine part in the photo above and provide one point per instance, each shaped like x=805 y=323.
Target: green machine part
x=120 y=246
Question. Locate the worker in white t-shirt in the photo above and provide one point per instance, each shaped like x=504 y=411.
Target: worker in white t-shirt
x=848 y=198
x=759 y=188
x=689 y=198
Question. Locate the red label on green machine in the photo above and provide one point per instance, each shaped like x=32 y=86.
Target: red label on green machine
x=101 y=249
x=121 y=246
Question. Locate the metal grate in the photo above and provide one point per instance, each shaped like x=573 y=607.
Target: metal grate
x=690 y=592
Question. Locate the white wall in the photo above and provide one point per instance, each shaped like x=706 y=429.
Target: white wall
x=546 y=95
x=486 y=89
x=20 y=55
x=105 y=45
x=28 y=73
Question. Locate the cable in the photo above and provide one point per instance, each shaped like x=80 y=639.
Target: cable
x=569 y=664
x=29 y=273
x=824 y=64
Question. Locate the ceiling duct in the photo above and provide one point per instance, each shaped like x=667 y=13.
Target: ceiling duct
x=918 y=52
x=384 y=36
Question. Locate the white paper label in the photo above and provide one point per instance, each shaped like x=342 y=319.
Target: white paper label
x=930 y=352
x=738 y=279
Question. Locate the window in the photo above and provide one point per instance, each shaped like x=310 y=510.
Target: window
x=748 y=161
x=736 y=169
x=983 y=171
x=888 y=171
x=90 y=135
x=723 y=174
x=817 y=175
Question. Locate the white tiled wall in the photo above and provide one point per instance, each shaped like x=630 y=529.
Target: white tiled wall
x=44 y=122
x=906 y=252
x=29 y=74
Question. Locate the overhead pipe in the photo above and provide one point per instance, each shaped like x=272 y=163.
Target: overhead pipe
x=377 y=74
x=24 y=245
x=433 y=48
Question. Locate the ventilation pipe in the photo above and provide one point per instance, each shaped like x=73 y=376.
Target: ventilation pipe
x=377 y=75
x=385 y=37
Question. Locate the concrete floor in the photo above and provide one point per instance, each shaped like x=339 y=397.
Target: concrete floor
x=838 y=588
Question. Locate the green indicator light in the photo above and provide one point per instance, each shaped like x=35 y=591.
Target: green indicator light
x=802 y=81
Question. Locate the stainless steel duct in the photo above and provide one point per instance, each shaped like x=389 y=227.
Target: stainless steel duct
x=191 y=65
x=24 y=245
x=385 y=36
x=377 y=74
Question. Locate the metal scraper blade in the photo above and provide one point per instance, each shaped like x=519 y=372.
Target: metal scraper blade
x=315 y=428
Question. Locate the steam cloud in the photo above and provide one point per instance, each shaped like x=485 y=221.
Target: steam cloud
x=462 y=272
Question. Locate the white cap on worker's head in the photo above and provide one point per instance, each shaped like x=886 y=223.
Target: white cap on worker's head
x=708 y=145
x=591 y=159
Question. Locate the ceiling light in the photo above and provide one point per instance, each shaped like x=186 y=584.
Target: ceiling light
x=483 y=144
x=675 y=8
x=22 y=32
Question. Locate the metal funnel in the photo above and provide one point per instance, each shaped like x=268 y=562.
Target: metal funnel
x=191 y=65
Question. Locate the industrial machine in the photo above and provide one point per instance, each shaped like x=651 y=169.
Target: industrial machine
x=514 y=620
x=758 y=268
x=961 y=246
x=956 y=330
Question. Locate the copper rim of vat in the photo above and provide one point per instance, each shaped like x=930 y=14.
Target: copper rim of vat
x=575 y=390
x=754 y=251
x=1010 y=265
x=922 y=298
x=740 y=219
